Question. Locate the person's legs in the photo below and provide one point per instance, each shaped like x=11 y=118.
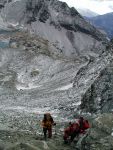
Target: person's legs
x=66 y=136
x=45 y=132
x=73 y=135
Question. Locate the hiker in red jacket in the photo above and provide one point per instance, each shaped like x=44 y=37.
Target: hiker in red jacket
x=83 y=125
x=70 y=132
x=75 y=129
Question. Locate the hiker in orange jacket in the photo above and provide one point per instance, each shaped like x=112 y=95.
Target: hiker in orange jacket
x=47 y=124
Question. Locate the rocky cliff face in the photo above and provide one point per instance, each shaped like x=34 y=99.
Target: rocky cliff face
x=62 y=26
x=99 y=96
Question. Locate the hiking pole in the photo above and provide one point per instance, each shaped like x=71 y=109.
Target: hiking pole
x=42 y=132
x=55 y=129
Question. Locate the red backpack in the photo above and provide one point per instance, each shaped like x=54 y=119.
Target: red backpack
x=86 y=124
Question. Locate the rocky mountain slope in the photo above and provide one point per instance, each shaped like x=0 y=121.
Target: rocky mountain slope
x=50 y=60
x=104 y=22
x=56 y=22
x=98 y=97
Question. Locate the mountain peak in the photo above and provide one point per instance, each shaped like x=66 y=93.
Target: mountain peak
x=87 y=12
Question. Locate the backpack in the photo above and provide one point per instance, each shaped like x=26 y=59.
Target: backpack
x=86 y=124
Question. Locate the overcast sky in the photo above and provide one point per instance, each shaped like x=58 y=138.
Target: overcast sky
x=98 y=6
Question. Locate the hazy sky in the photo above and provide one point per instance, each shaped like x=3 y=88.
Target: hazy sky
x=98 y=6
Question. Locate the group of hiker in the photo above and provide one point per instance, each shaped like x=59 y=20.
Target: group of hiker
x=73 y=130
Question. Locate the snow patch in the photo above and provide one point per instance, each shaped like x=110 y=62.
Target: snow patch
x=16 y=0
x=26 y=87
x=77 y=103
x=29 y=110
x=66 y=87
x=13 y=24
